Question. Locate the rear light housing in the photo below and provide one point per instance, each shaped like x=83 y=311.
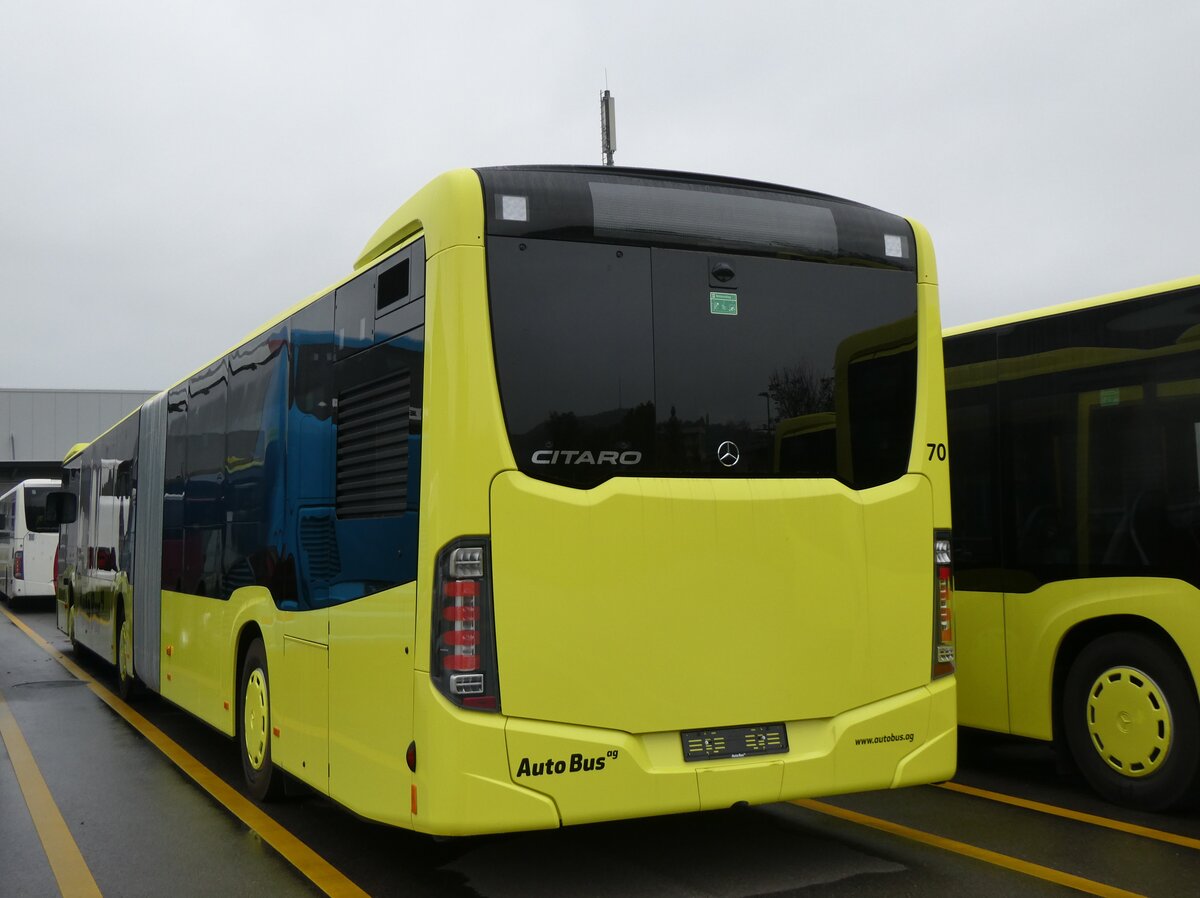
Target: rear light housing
x=463 y=659
x=19 y=564
x=57 y=556
x=943 y=604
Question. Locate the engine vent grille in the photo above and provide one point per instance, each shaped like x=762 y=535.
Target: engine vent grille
x=318 y=537
x=372 y=447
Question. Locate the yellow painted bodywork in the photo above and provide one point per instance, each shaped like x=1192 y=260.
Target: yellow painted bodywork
x=1008 y=643
x=681 y=589
x=371 y=703
x=694 y=604
x=982 y=665
x=481 y=784
x=1038 y=621
x=198 y=653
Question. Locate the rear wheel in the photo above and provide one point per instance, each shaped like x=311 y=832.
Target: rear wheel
x=71 y=627
x=263 y=781
x=1131 y=720
x=125 y=676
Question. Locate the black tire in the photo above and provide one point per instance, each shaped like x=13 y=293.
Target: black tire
x=263 y=781
x=1131 y=720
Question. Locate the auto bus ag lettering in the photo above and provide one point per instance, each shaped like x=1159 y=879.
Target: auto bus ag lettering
x=577 y=763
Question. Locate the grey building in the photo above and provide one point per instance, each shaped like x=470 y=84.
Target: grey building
x=38 y=427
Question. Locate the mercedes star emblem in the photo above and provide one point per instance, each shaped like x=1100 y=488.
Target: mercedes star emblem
x=728 y=454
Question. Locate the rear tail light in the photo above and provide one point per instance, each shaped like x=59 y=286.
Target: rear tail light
x=19 y=564
x=943 y=605
x=464 y=637
x=57 y=572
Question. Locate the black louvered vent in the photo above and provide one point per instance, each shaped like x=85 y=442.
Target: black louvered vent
x=318 y=538
x=372 y=448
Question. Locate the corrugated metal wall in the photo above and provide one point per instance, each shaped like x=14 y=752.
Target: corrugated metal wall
x=41 y=425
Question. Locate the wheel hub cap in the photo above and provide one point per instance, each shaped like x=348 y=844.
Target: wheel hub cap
x=255 y=719
x=126 y=651
x=1129 y=722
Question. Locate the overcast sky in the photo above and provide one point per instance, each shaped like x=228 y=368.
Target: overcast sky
x=173 y=174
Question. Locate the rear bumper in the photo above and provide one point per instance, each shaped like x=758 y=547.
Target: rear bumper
x=560 y=775
x=19 y=589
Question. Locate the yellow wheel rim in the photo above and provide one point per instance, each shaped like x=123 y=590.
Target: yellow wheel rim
x=254 y=718
x=1129 y=721
x=125 y=651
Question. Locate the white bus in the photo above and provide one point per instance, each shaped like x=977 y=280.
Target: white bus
x=27 y=543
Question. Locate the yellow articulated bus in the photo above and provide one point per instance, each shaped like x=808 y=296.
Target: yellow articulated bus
x=1076 y=483
x=493 y=535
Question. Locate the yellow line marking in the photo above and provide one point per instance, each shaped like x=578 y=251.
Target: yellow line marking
x=1049 y=874
x=323 y=874
x=66 y=861
x=1094 y=819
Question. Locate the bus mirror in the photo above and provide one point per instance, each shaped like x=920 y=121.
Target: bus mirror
x=61 y=508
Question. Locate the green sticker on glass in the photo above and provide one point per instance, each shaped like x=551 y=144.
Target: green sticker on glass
x=1110 y=397
x=722 y=303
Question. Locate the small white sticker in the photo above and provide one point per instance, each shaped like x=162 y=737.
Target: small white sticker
x=893 y=246
x=514 y=208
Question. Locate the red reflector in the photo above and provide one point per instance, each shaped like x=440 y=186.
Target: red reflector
x=460 y=613
x=461 y=589
x=461 y=637
x=460 y=662
x=482 y=702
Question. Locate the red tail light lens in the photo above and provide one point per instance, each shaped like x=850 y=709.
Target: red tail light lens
x=943 y=605
x=19 y=564
x=464 y=644
x=57 y=572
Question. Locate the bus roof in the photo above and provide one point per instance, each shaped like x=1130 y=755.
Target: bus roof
x=437 y=210
x=1074 y=306
x=34 y=481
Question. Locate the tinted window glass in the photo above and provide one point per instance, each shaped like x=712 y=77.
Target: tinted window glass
x=1095 y=467
x=35 y=508
x=622 y=360
x=203 y=507
x=574 y=344
x=690 y=211
x=110 y=461
x=255 y=423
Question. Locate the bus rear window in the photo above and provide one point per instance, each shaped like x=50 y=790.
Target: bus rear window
x=616 y=359
x=35 y=508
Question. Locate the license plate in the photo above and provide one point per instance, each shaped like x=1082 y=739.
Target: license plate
x=734 y=742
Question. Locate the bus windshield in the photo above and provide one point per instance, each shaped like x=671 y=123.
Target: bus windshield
x=620 y=359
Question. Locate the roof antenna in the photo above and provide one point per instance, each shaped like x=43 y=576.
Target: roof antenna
x=608 y=123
